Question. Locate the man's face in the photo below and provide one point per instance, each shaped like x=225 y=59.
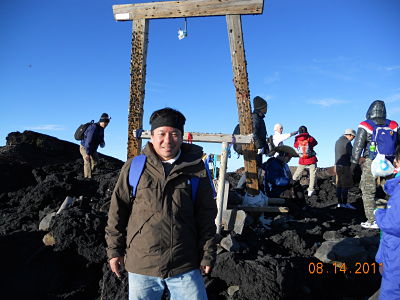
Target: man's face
x=166 y=141
x=278 y=128
x=264 y=110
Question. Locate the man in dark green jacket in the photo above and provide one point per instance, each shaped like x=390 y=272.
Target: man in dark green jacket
x=162 y=236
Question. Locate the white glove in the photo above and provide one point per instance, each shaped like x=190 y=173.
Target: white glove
x=260 y=151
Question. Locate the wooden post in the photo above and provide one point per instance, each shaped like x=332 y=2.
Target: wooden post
x=241 y=82
x=188 y=8
x=140 y=29
x=140 y=13
x=221 y=184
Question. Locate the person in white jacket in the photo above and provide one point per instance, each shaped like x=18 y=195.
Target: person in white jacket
x=279 y=136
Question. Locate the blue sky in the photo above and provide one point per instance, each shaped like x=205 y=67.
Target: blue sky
x=318 y=63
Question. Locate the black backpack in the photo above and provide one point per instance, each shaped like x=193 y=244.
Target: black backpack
x=237 y=147
x=80 y=131
x=270 y=144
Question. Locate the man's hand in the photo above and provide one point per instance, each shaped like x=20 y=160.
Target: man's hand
x=205 y=270
x=87 y=157
x=294 y=133
x=117 y=265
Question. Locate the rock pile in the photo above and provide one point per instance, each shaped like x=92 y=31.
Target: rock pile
x=291 y=258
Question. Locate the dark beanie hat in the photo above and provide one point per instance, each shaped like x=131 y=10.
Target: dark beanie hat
x=303 y=129
x=105 y=118
x=259 y=103
x=167 y=117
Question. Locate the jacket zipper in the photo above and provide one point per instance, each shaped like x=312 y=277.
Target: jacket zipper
x=169 y=215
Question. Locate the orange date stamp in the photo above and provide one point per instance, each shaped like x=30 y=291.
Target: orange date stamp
x=358 y=268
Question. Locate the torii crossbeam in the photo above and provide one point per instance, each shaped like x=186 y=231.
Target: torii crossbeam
x=140 y=13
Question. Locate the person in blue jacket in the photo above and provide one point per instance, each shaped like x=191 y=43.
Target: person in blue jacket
x=278 y=180
x=388 y=253
x=93 y=138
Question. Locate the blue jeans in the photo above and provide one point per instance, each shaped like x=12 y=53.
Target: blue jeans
x=189 y=285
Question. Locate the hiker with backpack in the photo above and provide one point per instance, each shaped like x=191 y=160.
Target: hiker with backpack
x=259 y=135
x=305 y=143
x=161 y=221
x=278 y=137
x=376 y=136
x=344 y=176
x=259 y=130
x=92 y=138
x=278 y=180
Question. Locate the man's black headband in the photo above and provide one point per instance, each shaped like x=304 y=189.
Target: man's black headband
x=172 y=121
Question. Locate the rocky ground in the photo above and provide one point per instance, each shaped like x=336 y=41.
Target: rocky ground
x=291 y=258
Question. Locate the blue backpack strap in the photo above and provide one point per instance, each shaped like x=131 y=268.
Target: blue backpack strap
x=135 y=171
x=370 y=122
x=194 y=181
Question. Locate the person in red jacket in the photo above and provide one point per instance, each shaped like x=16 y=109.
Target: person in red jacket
x=305 y=143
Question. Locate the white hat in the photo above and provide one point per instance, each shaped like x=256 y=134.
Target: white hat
x=350 y=131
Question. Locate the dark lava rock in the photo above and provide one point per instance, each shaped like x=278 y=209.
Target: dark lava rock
x=38 y=172
x=82 y=231
x=34 y=271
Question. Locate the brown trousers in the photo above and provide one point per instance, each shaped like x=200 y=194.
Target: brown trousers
x=313 y=173
x=90 y=164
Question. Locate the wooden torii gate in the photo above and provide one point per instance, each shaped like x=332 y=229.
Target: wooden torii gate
x=140 y=13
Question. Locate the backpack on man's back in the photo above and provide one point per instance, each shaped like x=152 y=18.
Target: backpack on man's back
x=383 y=139
x=239 y=147
x=80 y=131
x=270 y=144
x=304 y=150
